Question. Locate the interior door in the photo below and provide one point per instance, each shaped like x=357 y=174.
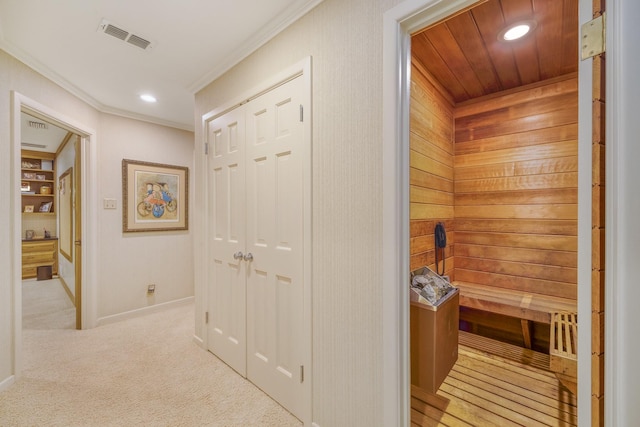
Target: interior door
x=227 y=269
x=275 y=238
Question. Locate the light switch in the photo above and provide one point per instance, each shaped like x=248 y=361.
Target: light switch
x=109 y=203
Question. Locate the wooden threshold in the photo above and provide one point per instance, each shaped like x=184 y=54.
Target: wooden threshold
x=483 y=389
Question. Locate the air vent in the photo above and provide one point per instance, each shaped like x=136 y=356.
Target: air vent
x=126 y=36
x=28 y=144
x=138 y=41
x=116 y=32
x=37 y=125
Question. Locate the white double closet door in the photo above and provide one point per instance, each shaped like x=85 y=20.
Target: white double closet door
x=256 y=219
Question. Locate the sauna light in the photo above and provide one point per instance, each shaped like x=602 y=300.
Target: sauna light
x=516 y=31
x=148 y=98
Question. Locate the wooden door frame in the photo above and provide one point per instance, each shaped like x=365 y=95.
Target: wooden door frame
x=300 y=69
x=88 y=178
x=399 y=23
x=77 y=229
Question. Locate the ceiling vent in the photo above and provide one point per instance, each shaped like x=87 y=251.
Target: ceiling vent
x=30 y=145
x=37 y=125
x=112 y=30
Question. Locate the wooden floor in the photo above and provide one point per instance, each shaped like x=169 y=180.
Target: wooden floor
x=487 y=390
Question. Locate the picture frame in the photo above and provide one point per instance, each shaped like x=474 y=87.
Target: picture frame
x=25 y=186
x=31 y=164
x=45 y=207
x=29 y=234
x=155 y=197
x=28 y=208
x=28 y=175
x=65 y=214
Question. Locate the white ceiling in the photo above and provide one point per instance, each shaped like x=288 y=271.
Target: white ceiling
x=38 y=135
x=193 y=42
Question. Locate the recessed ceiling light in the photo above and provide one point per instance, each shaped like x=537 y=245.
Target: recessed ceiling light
x=148 y=98
x=517 y=30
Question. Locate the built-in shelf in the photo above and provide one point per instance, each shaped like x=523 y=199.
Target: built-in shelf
x=37 y=183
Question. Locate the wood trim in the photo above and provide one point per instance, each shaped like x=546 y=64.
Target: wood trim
x=67 y=290
x=598 y=226
x=77 y=249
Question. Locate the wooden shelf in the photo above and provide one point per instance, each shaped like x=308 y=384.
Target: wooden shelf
x=29 y=180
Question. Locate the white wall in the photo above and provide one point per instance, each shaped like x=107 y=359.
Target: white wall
x=124 y=263
x=16 y=76
x=131 y=261
x=344 y=39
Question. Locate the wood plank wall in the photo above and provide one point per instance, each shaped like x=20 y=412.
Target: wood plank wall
x=515 y=193
x=431 y=169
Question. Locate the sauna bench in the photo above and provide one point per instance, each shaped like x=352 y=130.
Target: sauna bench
x=528 y=307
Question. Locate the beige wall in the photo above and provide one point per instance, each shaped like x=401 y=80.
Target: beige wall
x=131 y=261
x=125 y=264
x=344 y=39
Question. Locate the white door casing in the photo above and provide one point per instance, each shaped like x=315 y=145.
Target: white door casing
x=258 y=180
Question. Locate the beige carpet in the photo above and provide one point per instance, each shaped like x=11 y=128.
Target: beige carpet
x=46 y=305
x=145 y=371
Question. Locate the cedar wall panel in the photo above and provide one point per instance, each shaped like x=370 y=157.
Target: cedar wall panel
x=431 y=170
x=515 y=189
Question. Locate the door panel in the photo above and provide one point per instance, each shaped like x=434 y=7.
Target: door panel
x=275 y=213
x=227 y=290
x=256 y=206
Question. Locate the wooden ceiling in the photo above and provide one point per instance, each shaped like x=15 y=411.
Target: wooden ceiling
x=463 y=53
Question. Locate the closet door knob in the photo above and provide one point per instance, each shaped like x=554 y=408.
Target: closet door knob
x=248 y=257
x=238 y=255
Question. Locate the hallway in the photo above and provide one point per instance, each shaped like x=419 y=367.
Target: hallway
x=143 y=371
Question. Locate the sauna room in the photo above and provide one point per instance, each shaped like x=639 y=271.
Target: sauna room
x=494 y=165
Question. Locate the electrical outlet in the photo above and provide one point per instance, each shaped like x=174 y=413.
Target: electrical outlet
x=109 y=203
x=151 y=289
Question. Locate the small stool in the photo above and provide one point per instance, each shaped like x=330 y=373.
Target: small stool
x=45 y=272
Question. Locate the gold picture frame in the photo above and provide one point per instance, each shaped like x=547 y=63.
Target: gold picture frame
x=155 y=197
x=65 y=214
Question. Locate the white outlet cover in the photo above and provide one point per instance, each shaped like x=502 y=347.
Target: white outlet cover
x=109 y=203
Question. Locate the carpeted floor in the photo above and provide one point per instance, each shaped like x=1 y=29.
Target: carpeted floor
x=145 y=371
x=45 y=305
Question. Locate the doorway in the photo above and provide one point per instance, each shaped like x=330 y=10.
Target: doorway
x=49 y=225
x=85 y=224
x=400 y=22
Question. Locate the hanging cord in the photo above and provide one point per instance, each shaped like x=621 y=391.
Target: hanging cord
x=440 y=238
x=443 y=262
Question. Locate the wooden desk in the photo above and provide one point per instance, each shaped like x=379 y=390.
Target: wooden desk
x=39 y=252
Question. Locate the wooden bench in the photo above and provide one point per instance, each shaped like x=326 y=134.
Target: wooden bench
x=528 y=307
x=563 y=348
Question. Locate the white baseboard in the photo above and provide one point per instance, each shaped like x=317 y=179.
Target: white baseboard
x=199 y=341
x=7 y=382
x=143 y=311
